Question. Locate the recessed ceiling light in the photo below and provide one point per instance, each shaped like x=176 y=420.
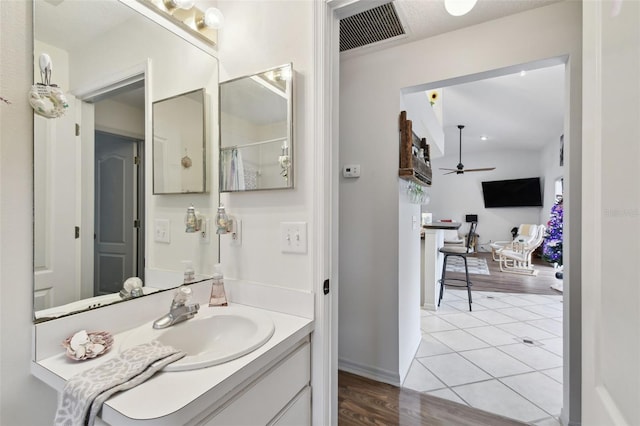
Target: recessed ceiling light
x=523 y=73
x=459 y=7
x=484 y=138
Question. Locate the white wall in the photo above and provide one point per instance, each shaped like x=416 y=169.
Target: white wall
x=454 y=196
x=259 y=35
x=19 y=391
x=369 y=98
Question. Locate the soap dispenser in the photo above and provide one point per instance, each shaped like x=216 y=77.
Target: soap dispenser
x=218 y=296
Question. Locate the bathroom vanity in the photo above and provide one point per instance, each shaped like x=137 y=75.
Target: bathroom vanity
x=270 y=385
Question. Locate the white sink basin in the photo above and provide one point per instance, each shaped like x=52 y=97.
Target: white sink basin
x=215 y=335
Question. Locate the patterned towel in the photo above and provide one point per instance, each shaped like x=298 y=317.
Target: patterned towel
x=84 y=393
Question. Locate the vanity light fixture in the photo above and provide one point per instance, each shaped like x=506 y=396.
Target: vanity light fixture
x=212 y=18
x=172 y=5
x=459 y=7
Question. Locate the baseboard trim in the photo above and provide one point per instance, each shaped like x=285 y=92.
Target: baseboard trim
x=369 y=372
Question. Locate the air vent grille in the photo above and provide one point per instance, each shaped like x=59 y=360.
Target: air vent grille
x=370 y=26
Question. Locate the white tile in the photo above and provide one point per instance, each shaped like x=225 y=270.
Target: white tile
x=554 y=297
x=538 y=388
x=434 y=323
x=463 y=320
x=548 y=324
x=497 y=398
x=463 y=305
x=459 y=340
x=519 y=314
x=490 y=303
x=453 y=369
x=534 y=299
x=553 y=345
x=449 y=308
x=555 y=373
x=420 y=379
x=424 y=312
x=492 y=294
x=492 y=317
x=521 y=330
x=549 y=421
x=446 y=394
x=544 y=310
x=430 y=346
x=492 y=335
x=496 y=362
x=533 y=356
x=516 y=301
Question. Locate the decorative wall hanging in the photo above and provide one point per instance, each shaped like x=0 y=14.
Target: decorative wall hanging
x=45 y=98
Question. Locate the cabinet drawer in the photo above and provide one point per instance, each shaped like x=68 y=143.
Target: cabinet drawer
x=298 y=413
x=264 y=399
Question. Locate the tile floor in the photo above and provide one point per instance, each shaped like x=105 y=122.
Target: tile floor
x=479 y=358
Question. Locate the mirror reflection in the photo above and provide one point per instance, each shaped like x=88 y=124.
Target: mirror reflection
x=179 y=164
x=95 y=215
x=256 y=148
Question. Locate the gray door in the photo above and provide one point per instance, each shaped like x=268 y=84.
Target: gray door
x=115 y=212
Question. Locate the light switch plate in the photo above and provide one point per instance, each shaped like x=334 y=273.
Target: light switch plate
x=162 y=231
x=351 y=171
x=293 y=237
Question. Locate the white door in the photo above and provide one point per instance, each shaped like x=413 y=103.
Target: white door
x=55 y=178
x=611 y=213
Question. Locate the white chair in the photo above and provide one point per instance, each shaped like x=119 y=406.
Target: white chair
x=526 y=234
x=516 y=259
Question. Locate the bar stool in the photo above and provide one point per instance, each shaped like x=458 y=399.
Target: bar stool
x=459 y=251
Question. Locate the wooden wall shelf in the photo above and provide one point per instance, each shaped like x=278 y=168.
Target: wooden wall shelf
x=412 y=167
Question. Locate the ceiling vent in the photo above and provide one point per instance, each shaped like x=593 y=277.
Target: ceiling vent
x=370 y=26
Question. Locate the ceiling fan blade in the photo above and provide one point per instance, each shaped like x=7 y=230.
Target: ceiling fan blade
x=484 y=169
x=448 y=173
x=444 y=168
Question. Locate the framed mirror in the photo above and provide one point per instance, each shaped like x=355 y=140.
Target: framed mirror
x=95 y=215
x=256 y=146
x=179 y=145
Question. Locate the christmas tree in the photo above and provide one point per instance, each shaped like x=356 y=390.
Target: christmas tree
x=552 y=248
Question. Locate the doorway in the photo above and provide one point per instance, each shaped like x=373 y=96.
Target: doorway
x=118 y=242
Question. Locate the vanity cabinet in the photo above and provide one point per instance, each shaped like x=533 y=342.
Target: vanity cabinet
x=281 y=396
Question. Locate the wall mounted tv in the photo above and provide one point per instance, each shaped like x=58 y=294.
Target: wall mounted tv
x=512 y=193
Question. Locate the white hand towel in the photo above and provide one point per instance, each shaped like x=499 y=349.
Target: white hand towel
x=84 y=393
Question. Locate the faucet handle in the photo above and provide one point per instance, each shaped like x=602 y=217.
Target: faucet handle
x=182 y=296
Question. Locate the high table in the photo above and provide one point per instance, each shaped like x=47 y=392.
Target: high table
x=433 y=240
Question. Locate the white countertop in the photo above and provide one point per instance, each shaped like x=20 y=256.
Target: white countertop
x=172 y=398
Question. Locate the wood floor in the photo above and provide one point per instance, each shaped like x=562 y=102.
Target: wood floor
x=512 y=283
x=362 y=401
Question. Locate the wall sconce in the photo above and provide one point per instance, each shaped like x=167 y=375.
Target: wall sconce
x=224 y=222
x=193 y=220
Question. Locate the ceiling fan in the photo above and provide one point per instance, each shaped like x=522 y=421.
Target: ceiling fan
x=459 y=170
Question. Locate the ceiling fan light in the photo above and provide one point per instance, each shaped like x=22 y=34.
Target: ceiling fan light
x=459 y=7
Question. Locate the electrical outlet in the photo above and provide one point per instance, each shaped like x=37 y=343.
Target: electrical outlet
x=293 y=237
x=162 y=231
x=351 y=171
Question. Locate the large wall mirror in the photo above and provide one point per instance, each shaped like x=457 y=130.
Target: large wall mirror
x=179 y=148
x=95 y=215
x=256 y=146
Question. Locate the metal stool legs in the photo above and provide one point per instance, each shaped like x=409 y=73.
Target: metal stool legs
x=467 y=281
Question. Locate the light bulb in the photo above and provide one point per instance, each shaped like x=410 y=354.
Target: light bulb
x=184 y=4
x=459 y=7
x=213 y=18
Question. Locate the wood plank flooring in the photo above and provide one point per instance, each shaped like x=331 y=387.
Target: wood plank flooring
x=363 y=401
x=512 y=283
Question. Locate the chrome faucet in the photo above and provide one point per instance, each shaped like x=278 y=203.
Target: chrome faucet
x=179 y=311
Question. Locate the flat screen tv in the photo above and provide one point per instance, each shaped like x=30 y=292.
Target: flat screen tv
x=512 y=193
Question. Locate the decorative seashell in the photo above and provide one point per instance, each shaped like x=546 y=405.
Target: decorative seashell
x=186 y=162
x=80 y=352
x=97 y=343
x=79 y=339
